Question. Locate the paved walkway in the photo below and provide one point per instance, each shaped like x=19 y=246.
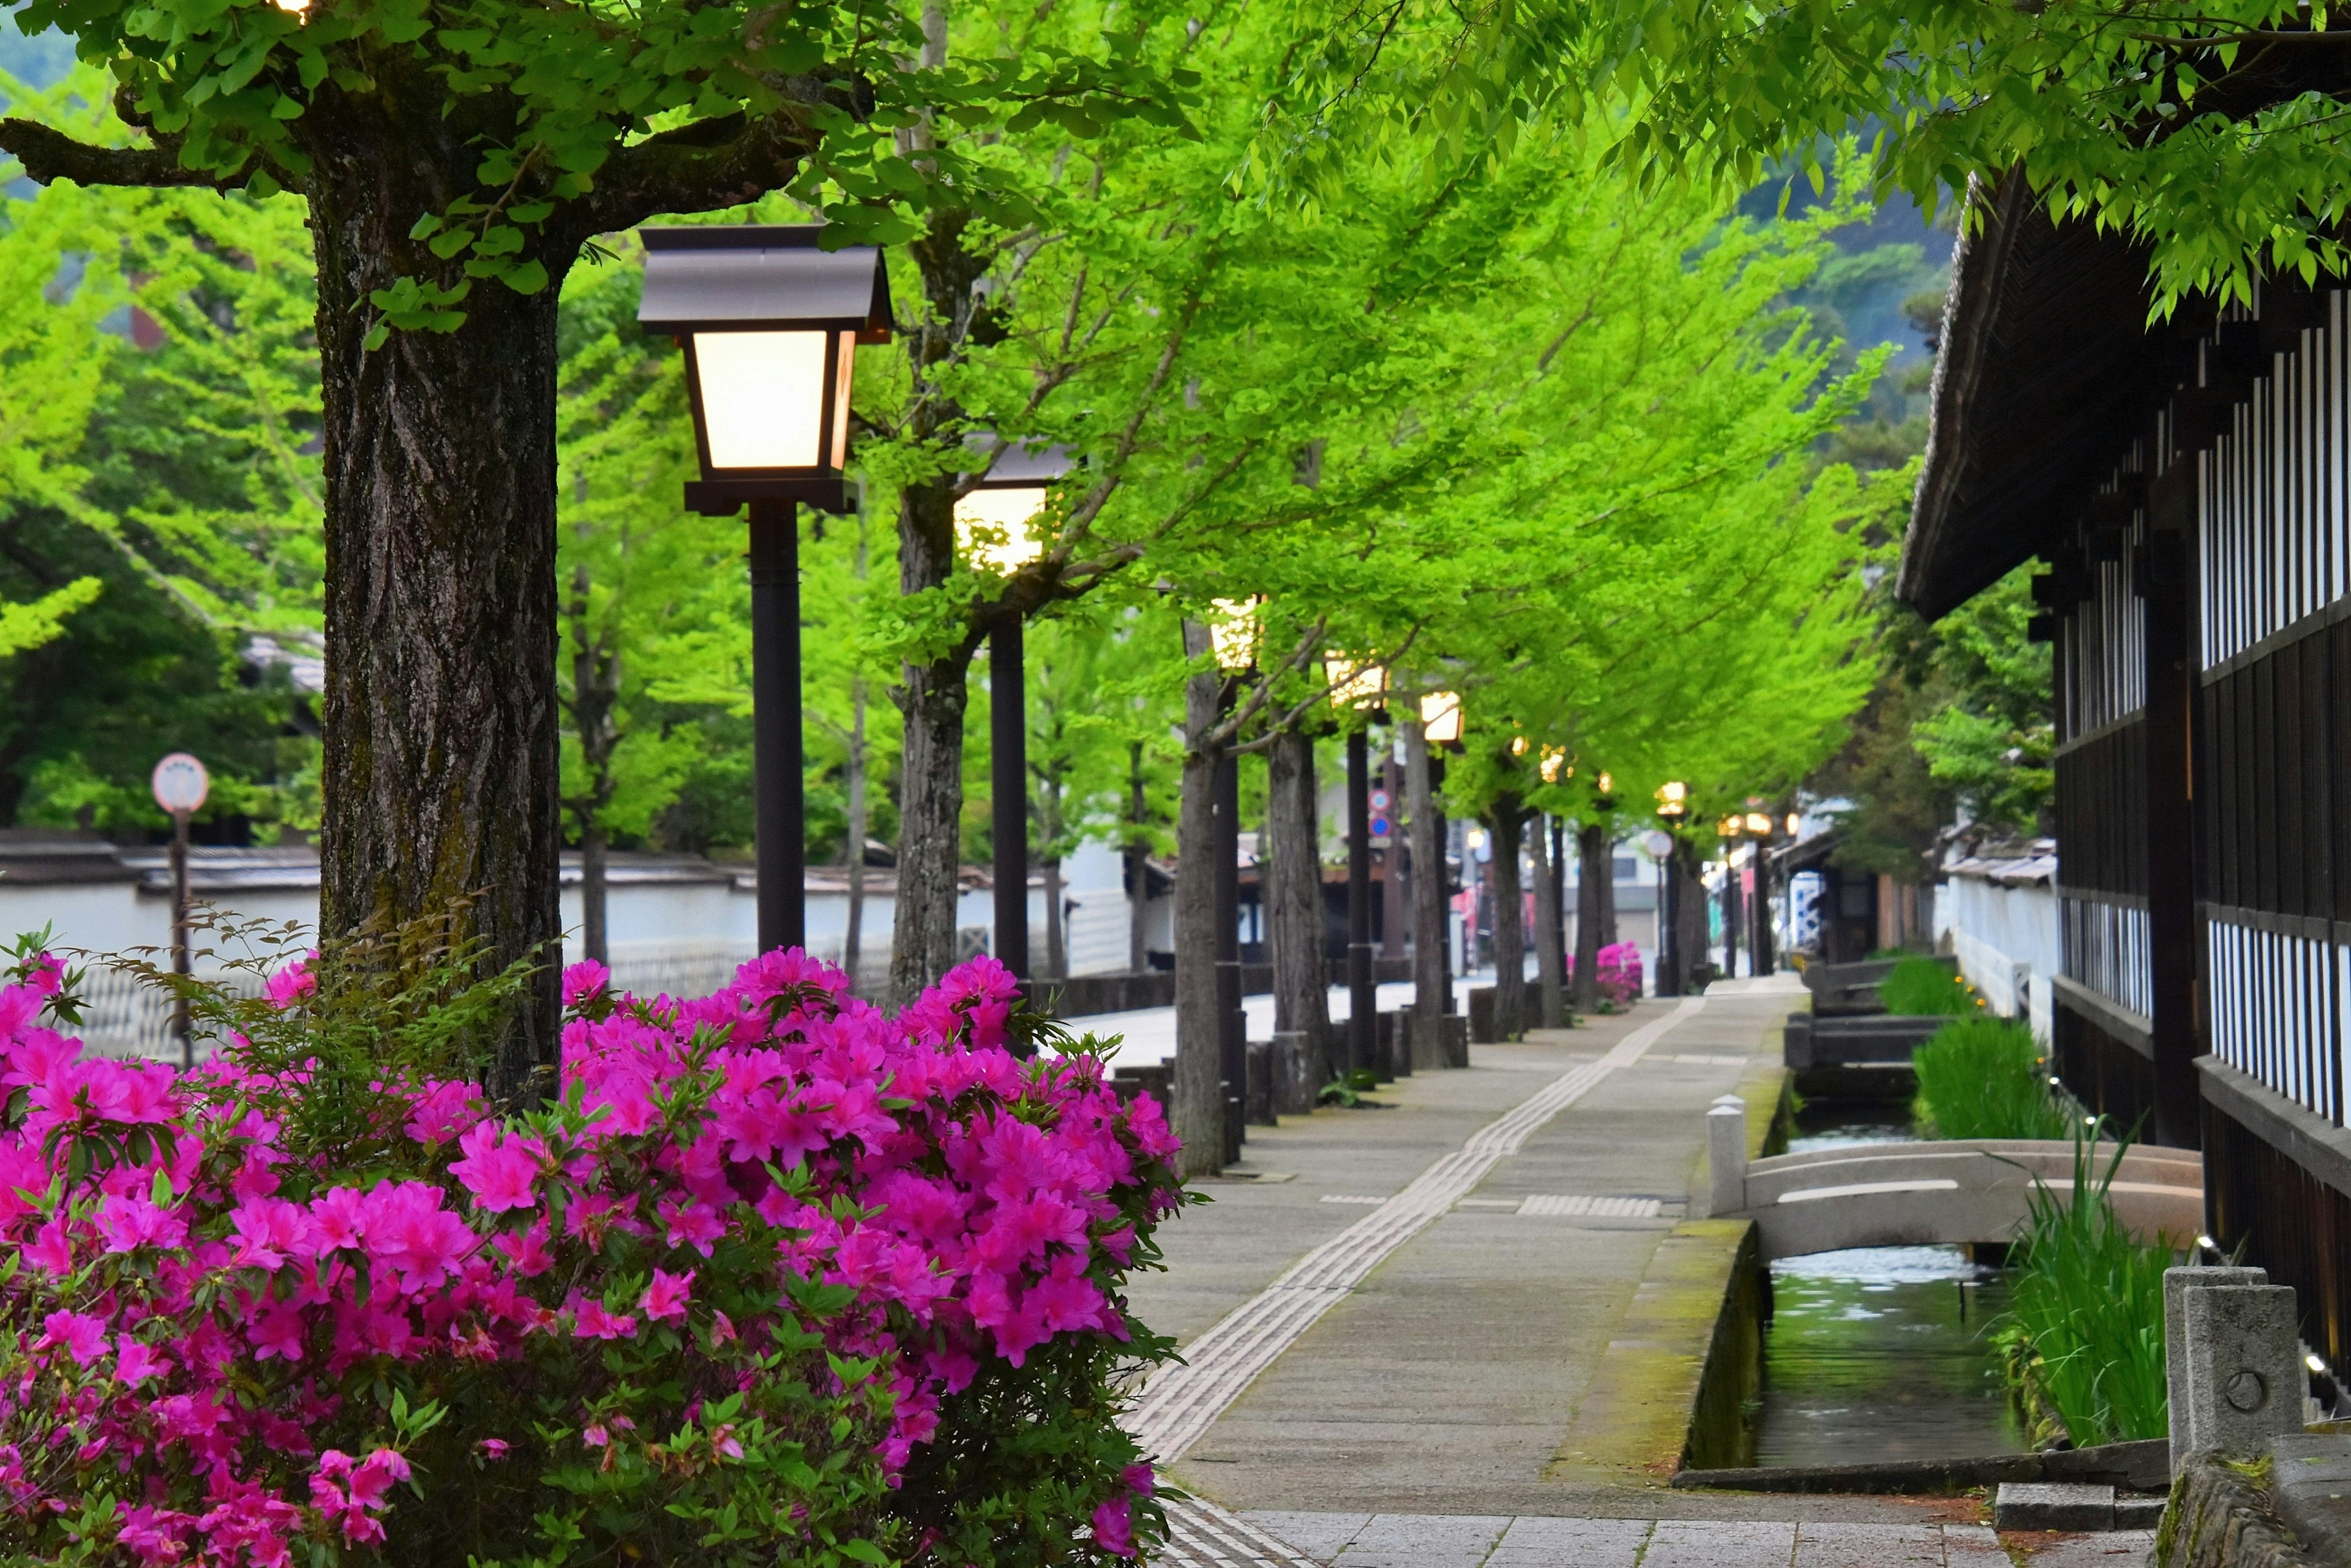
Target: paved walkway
x=1407 y=1328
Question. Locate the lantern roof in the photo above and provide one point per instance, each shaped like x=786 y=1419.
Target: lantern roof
x=1019 y=465
x=718 y=278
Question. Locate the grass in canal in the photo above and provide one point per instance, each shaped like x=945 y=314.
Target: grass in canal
x=2085 y=1336
x=1986 y=1077
x=1924 y=988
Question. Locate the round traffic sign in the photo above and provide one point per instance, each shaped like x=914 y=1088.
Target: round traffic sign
x=1657 y=843
x=1379 y=800
x=1379 y=827
x=180 y=783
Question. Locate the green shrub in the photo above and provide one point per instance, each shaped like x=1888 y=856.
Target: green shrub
x=2086 y=1311
x=1922 y=986
x=1986 y=1077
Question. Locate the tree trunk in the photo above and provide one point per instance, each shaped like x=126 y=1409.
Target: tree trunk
x=439 y=771
x=852 y=941
x=1428 y=925
x=1057 y=955
x=1690 y=914
x=1138 y=866
x=594 y=941
x=1198 y=1113
x=1294 y=927
x=930 y=827
x=1593 y=870
x=1553 y=1009
x=1509 y=919
x=1608 y=937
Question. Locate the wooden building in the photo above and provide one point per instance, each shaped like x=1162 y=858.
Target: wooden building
x=2187 y=486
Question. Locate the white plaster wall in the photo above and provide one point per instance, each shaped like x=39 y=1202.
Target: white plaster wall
x=2006 y=940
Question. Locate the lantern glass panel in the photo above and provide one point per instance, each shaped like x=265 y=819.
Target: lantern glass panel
x=993 y=528
x=844 y=374
x=762 y=398
x=1440 y=717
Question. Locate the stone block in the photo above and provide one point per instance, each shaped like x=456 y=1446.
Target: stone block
x=1256 y=1102
x=1455 y=1030
x=2138 y=1512
x=1427 y=1043
x=2175 y=1338
x=1484 y=1029
x=2244 y=1369
x=1294 y=1079
x=1395 y=1043
x=2053 y=1505
x=2310 y=1488
x=1726 y=1156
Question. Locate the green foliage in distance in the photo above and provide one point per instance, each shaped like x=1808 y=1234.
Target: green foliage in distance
x=1991 y=739
x=648 y=593
x=2210 y=133
x=1986 y=1077
x=175 y=477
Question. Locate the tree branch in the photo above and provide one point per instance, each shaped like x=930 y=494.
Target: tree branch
x=721 y=162
x=48 y=154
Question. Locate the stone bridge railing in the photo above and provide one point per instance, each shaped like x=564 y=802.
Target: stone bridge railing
x=1959 y=1191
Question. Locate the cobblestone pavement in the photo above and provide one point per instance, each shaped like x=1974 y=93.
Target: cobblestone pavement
x=1208 y=1537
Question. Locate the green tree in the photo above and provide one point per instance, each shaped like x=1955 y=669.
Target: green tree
x=455 y=157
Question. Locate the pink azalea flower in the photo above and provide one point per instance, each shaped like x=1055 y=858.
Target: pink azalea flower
x=135 y=1360
x=1114 y=1529
x=293 y=982
x=664 y=1298
x=591 y=1321
x=499 y=1170
x=82 y=1336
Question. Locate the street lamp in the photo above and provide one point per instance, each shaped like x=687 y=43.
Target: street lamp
x=1440 y=717
x=1360 y=686
x=992 y=524
x=1673 y=804
x=1233 y=640
x=770 y=325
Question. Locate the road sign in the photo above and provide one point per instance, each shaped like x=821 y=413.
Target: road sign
x=1379 y=803
x=1380 y=829
x=180 y=783
x=1658 y=843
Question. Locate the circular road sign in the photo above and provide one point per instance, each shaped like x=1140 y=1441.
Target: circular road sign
x=1658 y=843
x=1379 y=827
x=1379 y=800
x=180 y=783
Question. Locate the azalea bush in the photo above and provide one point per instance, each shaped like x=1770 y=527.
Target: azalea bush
x=1619 y=971
x=765 y=1276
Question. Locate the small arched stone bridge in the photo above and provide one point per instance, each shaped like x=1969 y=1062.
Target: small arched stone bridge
x=1957 y=1190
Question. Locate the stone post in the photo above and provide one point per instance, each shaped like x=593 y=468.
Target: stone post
x=2244 y=1375
x=1725 y=1155
x=2176 y=1285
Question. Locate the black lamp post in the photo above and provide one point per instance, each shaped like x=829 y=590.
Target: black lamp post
x=770 y=325
x=1364 y=687
x=992 y=520
x=1673 y=804
x=1234 y=641
x=1759 y=905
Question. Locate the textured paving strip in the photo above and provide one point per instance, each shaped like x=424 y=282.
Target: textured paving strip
x=1181 y=1402
x=1210 y=1536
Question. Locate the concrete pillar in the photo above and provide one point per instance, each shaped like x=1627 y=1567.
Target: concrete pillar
x=2244 y=1371
x=1725 y=1155
x=2176 y=1285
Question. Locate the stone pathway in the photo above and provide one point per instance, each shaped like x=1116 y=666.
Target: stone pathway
x=1446 y=1380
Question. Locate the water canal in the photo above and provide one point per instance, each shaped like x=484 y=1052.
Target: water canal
x=1882 y=1352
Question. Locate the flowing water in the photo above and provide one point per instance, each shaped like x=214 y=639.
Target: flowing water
x=1882 y=1352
